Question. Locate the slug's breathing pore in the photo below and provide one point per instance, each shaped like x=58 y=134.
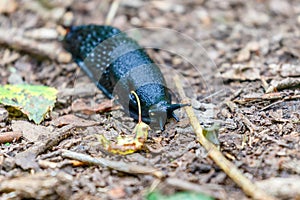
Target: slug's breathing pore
x=118 y=65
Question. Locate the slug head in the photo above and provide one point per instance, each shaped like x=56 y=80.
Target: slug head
x=160 y=112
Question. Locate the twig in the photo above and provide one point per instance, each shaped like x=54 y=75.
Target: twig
x=9 y=59
x=293 y=97
x=13 y=39
x=55 y=139
x=270 y=105
x=10 y=136
x=264 y=83
x=117 y=165
x=112 y=12
x=230 y=169
x=278 y=97
x=26 y=159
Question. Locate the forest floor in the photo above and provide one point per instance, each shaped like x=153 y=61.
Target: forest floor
x=239 y=62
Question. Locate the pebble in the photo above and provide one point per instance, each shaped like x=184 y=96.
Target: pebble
x=3 y=114
x=244 y=55
x=15 y=78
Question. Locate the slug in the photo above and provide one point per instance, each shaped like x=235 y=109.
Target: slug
x=118 y=65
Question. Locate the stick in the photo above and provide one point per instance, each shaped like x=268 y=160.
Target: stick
x=10 y=136
x=117 y=165
x=13 y=39
x=55 y=139
x=112 y=12
x=230 y=169
x=50 y=142
x=26 y=159
x=294 y=97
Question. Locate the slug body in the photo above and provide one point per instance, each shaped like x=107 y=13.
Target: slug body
x=118 y=65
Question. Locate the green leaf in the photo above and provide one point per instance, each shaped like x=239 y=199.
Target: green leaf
x=33 y=100
x=178 y=196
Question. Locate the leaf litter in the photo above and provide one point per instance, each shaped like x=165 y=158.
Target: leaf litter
x=260 y=133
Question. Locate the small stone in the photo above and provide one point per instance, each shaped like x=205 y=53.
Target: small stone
x=15 y=78
x=244 y=55
x=3 y=114
x=136 y=21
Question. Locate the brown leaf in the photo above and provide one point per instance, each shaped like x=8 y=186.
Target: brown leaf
x=287 y=83
x=26 y=160
x=73 y=120
x=30 y=131
x=81 y=106
x=239 y=72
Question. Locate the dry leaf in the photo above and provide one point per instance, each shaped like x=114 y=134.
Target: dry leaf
x=72 y=119
x=30 y=131
x=239 y=72
x=127 y=144
x=81 y=106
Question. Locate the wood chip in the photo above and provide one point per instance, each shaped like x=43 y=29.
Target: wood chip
x=10 y=136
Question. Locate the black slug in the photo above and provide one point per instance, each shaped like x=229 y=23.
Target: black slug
x=118 y=65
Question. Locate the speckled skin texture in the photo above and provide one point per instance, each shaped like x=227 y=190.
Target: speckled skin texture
x=118 y=65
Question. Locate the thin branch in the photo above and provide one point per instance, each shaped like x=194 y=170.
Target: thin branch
x=230 y=169
x=112 y=12
x=10 y=136
x=14 y=39
x=117 y=165
x=26 y=159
